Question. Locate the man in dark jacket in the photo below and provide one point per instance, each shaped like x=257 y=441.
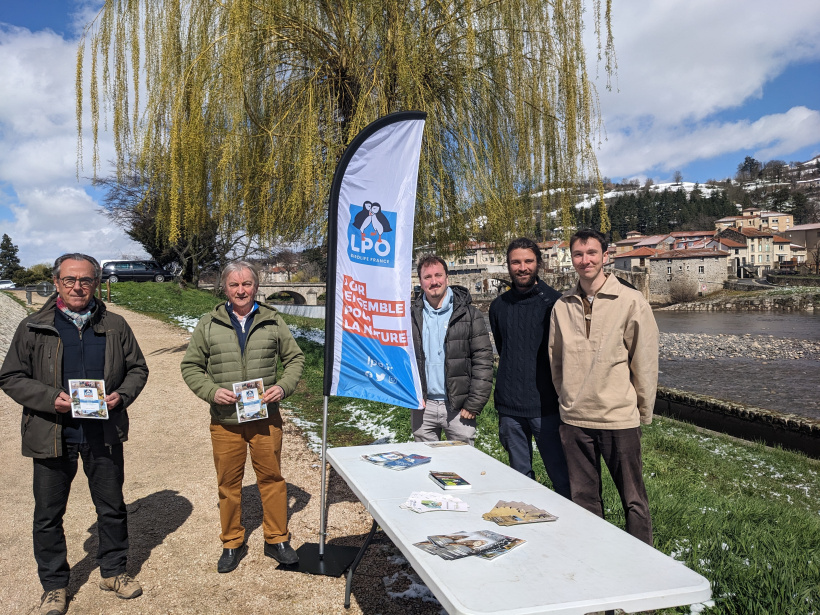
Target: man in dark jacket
x=454 y=355
x=525 y=397
x=75 y=337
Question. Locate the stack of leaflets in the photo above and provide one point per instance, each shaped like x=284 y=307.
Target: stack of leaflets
x=449 y=480
x=424 y=501
x=517 y=513
x=395 y=460
x=481 y=543
x=445 y=443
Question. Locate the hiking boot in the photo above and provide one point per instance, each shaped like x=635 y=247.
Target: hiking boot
x=123 y=585
x=282 y=552
x=230 y=558
x=54 y=602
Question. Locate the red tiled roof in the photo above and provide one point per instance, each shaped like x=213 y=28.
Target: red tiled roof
x=753 y=232
x=693 y=233
x=730 y=243
x=690 y=254
x=638 y=252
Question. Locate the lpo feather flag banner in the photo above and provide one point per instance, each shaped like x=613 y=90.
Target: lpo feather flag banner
x=368 y=345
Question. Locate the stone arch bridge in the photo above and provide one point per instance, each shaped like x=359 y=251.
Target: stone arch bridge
x=482 y=285
x=303 y=293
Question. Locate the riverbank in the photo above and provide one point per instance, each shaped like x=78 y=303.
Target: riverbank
x=778 y=299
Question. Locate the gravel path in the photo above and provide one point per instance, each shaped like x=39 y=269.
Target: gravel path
x=174 y=525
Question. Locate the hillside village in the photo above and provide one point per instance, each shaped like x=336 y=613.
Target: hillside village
x=769 y=220
x=679 y=265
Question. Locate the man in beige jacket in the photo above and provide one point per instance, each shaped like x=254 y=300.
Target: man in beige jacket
x=603 y=350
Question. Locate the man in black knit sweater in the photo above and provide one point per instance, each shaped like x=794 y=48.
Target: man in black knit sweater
x=525 y=397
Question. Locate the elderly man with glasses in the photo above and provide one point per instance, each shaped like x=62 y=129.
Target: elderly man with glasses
x=73 y=337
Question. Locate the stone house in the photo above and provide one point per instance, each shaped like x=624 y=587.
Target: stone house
x=759 y=248
x=753 y=217
x=634 y=260
x=737 y=254
x=701 y=271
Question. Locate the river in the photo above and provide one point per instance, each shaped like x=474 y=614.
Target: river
x=786 y=385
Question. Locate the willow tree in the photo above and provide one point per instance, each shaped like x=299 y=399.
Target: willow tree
x=239 y=110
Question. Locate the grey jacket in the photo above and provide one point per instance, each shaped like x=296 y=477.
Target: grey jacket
x=468 y=353
x=32 y=376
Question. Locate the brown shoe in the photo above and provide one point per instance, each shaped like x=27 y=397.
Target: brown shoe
x=123 y=585
x=54 y=602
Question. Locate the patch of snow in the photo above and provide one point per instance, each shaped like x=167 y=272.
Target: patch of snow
x=314 y=335
x=186 y=322
x=417 y=590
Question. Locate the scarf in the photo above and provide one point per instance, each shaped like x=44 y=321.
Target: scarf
x=78 y=318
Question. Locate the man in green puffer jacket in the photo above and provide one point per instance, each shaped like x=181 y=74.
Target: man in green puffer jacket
x=239 y=341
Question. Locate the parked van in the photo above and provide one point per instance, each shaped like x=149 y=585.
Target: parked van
x=137 y=271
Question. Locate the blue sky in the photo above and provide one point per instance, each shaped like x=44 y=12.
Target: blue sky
x=700 y=85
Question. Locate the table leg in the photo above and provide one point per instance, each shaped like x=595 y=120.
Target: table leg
x=356 y=561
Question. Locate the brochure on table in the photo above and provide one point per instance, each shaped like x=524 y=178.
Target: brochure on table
x=88 y=399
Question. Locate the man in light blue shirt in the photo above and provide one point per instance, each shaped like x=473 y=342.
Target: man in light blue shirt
x=454 y=355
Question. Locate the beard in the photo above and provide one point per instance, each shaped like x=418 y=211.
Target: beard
x=523 y=282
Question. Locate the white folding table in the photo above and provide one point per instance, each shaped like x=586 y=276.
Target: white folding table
x=575 y=565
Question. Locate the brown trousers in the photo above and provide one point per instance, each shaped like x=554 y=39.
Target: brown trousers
x=230 y=444
x=621 y=451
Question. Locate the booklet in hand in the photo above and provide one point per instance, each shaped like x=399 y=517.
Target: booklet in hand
x=249 y=404
x=449 y=480
x=88 y=399
x=395 y=460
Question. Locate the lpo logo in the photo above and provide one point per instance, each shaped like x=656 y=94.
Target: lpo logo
x=371 y=234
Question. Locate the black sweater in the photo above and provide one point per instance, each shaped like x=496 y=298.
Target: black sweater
x=520 y=325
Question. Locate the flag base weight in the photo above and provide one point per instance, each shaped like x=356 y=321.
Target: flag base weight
x=335 y=560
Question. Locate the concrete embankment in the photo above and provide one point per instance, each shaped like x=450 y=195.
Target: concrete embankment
x=741 y=421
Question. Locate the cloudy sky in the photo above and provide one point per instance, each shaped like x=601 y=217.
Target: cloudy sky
x=700 y=85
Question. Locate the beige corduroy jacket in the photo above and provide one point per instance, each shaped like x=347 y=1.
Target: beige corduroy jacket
x=609 y=379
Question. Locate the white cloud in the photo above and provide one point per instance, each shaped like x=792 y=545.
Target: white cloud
x=681 y=62
x=52 y=213
x=672 y=147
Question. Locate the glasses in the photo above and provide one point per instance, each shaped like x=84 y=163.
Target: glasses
x=84 y=282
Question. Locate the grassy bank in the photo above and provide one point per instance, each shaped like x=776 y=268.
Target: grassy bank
x=745 y=516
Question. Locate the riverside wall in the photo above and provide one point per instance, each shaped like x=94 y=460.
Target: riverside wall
x=798 y=302
x=741 y=421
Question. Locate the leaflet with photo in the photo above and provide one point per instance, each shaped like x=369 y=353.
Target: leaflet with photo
x=466 y=543
x=449 y=480
x=88 y=399
x=396 y=461
x=425 y=501
x=249 y=404
x=502 y=549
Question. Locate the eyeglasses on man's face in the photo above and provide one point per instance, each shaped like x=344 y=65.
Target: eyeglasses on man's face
x=69 y=282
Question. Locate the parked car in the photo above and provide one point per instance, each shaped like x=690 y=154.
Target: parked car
x=6 y=284
x=137 y=271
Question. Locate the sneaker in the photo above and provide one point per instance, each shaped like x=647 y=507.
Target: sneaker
x=282 y=552
x=54 y=602
x=123 y=585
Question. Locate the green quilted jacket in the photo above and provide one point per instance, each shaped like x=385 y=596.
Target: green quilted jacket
x=214 y=360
